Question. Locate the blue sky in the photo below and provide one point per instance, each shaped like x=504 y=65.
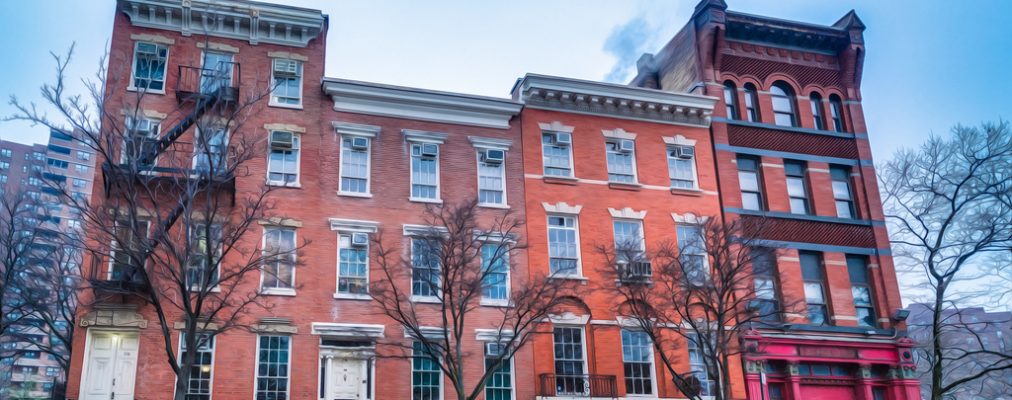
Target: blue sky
x=930 y=64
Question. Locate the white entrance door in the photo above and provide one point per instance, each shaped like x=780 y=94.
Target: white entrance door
x=111 y=367
x=346 y=379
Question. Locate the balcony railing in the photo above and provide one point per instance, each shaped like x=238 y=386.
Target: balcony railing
x=217 y=80
x=577 y=386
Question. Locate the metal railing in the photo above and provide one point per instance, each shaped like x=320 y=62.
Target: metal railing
x=219 y=80
x=577 y=385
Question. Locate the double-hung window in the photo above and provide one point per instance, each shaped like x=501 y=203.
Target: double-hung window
x=570 y=364
x=751 y=103
x=783 y=105
x=557 y=154
x=287 y=78
x=205 y=255
x=500 y=383
x=629 y=246
x=352 y=264
x=730 y=100
x=426 y=376
x=842 y=193
x=638 y=362
x=279 y=260
x=563 y=245
x=210 y=151
x=764 y=273
x=797 y=189
x=818 y=118
x=698 y=364
x=355 y=164
x=425 y=267
x=127 y=250
x=140 y=140
x=202 y=370
x=425 y=171
x=216 y=72
x=836 y=111
x=750 y=183
x=150 y=62
x=273 y=367
x=692 y=254
x=815 y=293
x=492 y=177
x=682 y=166
x=860 y=288
x=283 y=163
x=621 y=159
x=495 y=272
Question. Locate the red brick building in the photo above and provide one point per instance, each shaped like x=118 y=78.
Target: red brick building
x=792 y=147
x=586 y=164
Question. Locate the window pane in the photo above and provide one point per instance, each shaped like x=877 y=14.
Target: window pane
x=813 y=293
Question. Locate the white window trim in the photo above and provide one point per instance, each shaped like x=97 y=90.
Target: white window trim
x=217 y=285
x=569 y=147
x=133 y=69
x=302 y=82
x=411 y=176
x=112 y=251
x=179 y=351
x=197 y=136
x=583 y=343
x=298 y=162
x=695 y=169
x=653 y=368
x=704 y=252
x=337 y=280
x=263 y=245
x=411 y=371
x=513 y=370
x=370 y=132
x=639 y=222
x=579 y=249
x=502 y=175
x=617 y=141
x=508 y=301
x=256 y=365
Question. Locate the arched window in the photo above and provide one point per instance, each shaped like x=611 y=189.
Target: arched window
x=731 y=100
x=836 y=107
x=751 y=103
x=783 y=104
x=817 y=117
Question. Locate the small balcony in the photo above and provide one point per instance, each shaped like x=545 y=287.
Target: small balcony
x=577 y=386
x=124 y=279
x=221 y=81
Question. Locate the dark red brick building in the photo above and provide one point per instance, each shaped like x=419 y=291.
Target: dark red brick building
x=792 y=147
x=721 y=123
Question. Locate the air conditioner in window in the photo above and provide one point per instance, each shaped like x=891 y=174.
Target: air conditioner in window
x=686 y=152
x=430 y=149
x=359 y=239
x=626 y=146
x=287 y=67
x=491 y=156
x=282 y=140
x=563 y=139
x=360 y=143
x=495 y=349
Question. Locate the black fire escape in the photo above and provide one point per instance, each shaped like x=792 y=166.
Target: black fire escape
x=200 y=91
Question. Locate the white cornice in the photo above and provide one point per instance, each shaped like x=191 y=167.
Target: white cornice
x=618 y=133
x=492 y=335
x=412 y=103
x=689 y=218
x=414 y=135
x=679 y=140
x=627 y=213
x=332 y=329
x=555 y=126
x=490 y=143
x=245 y=20
x=588 y=97
x=353 y=225
x=561 y=208
x=348 y=128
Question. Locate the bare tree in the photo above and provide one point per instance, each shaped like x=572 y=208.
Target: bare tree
x=452 y=264
x=949 y=205
x=171 y=231
x=703 y=292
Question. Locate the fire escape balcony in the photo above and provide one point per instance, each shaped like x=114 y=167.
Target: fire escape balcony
x=123 y=279
x=577 y=386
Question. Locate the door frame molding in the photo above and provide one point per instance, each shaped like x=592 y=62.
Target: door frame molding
x=360 y=353
x=87 y=353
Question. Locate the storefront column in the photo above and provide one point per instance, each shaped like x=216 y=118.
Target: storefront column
x=794 y=381
x=753 y=381
x=863 y=389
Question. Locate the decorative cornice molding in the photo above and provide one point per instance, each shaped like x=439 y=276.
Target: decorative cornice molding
x=114 y=316
x=555 y=126
x=588 y=97
x=413 y=135
x=561 y=208
x=279 y=221
x=218 y=47
x=618 y=133
x=252 y=21
x=568 y=318
x=492 y=335
x=627 y=213
x=287 y=54
x=413 y=103
x=423 y=230
x=689 y=218
x=147 y=37
x=679 y=140
x=353 y=225
x=332 y=329
x=490 y=143
x=348 y=128
x=285 y=127
x=428 y=332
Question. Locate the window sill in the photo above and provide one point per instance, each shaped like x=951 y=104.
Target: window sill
x=495 y=303
x=355 y=194
x=499 y=206
x=632 y=186
x=562 y=180
x=145 y=91
x=425 y=299
x=579 y=278
x=295 y=185
x=288 y=106
x=351 y=296
x=277 y=292
x=216 y=289
x=423 y=200
x=686 y=192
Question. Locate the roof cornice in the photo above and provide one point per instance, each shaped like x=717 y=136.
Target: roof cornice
x=244 y=20
x=607 y=99
x=413 y=103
